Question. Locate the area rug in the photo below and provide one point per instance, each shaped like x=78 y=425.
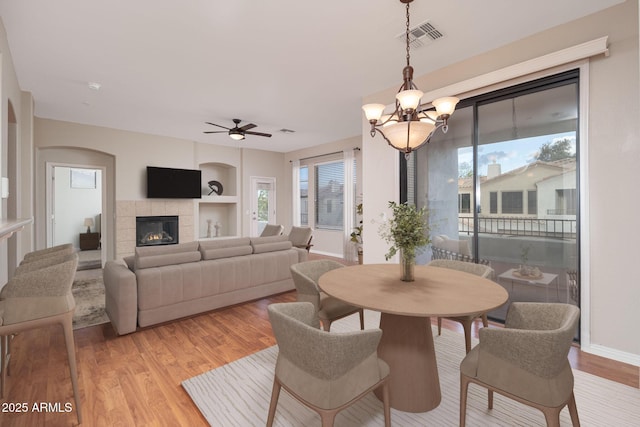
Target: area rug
x=238 y=394
x=88 y=291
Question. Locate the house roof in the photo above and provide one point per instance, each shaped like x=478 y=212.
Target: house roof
x=167 y=67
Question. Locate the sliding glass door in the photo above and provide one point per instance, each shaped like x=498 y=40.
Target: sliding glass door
x=502 y=188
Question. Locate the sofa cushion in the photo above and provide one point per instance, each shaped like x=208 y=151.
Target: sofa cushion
x=270 y=244
x=167 y=259
x=225 y=248
x=166 y=249
x=158 y=256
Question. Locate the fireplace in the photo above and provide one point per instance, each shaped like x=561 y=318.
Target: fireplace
x=156 y=230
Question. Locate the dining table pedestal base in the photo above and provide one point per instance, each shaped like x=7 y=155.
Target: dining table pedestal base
x=407 y=347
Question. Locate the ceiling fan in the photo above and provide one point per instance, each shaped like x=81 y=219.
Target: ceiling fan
x=236 y=132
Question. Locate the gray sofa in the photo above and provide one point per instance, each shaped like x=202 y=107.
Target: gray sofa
x=164 y=283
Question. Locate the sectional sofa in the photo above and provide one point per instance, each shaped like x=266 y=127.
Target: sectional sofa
x=164 y=283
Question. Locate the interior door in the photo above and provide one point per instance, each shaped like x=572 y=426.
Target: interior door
x=263 y=203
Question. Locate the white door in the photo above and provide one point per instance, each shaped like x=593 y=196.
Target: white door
x=263 y=203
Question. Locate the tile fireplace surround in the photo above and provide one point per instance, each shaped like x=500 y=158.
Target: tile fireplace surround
x=128 y=210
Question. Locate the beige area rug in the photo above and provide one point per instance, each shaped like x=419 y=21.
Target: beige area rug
x=238 y=394
x=88 y=291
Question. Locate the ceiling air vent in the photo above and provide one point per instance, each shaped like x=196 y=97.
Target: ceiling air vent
x=421 y=35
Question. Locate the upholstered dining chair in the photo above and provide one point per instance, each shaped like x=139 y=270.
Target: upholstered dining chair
x=468 y=267
x=35 y=299
x=325 y=371
x=300 y=237
x=526 y=360
x=64 y=249
x=305 y=277
x=272 y=230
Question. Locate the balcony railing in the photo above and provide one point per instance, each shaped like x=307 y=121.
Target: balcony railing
x=553 y=228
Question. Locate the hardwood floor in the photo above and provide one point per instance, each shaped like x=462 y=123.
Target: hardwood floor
x=134 y=380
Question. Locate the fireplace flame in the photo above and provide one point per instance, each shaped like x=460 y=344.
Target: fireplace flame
x=161 y=237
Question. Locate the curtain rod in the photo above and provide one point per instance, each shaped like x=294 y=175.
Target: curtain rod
x=326 y=154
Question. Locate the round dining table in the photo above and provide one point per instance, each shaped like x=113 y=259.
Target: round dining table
x=406 y=309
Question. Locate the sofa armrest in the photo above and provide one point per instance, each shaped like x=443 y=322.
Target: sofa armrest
x=121 y=296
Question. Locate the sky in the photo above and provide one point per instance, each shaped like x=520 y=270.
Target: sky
x=511 y=154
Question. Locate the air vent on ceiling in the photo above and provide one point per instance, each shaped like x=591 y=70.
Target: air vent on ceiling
x=421 y=35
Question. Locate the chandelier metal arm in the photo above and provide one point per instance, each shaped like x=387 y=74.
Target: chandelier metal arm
x=420 y=126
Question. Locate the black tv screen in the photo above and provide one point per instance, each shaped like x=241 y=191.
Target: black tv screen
x=169 y=183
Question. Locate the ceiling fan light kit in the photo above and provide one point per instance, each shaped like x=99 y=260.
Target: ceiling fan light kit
x=409 y=127
x=237 y=133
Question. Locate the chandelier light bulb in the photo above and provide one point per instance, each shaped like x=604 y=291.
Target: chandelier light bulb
x=373 y=111
x=445 y=106
x=409 y=99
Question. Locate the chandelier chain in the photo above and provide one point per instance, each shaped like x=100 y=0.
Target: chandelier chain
x=407 y=35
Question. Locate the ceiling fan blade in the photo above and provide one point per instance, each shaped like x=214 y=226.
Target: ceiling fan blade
x=216 y=131
x=247 y=127
x=213 y=124
x=268 y=135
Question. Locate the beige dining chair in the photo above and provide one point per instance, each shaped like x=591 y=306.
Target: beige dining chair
x=35 y=299
x=467 y=267
x=300 y=237
x=526 y=360
x=64 y=249
x=272 y=230
x=305 y=277
x=327 y=372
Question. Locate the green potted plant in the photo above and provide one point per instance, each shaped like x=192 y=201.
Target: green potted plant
x=408 y=233
x=356 y=235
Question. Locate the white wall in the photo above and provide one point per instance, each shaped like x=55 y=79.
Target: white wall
x=73 y=205
x=611 y=237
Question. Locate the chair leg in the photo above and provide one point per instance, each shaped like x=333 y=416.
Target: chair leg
x=327 y=325
x=485 y=320
x=464 y=386
x=552 y=416
x=4 y=342
x=67 y=326
x=327 y=418
x=275 y=393
x=361 y=319
x=573 y=411
x=386 y=404
x=439 y=325
x=490 y=399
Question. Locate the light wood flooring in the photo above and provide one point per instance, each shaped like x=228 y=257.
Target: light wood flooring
x=134 y=380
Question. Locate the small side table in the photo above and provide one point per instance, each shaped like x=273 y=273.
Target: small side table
x=89 y=241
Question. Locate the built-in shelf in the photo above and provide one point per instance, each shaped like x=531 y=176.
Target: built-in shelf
x=10 y=226
x=219 y=199
x=223 y=209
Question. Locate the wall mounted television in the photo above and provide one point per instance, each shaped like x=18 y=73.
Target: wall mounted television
x=170 y=183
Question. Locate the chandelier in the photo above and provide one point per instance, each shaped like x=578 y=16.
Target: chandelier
x=409 y=127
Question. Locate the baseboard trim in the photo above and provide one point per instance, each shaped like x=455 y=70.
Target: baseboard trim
x=327 y=254
x=609 y=353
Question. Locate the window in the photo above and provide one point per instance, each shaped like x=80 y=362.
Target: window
x=514 y=156
x=329 y=188
x=566 y=201
x=493 y=202
x=512 y=202
x=304 y=195
x=532 y=202
x=464 y=203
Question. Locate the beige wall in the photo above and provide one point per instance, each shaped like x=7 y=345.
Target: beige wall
x=17 y=155
x=610 y=237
